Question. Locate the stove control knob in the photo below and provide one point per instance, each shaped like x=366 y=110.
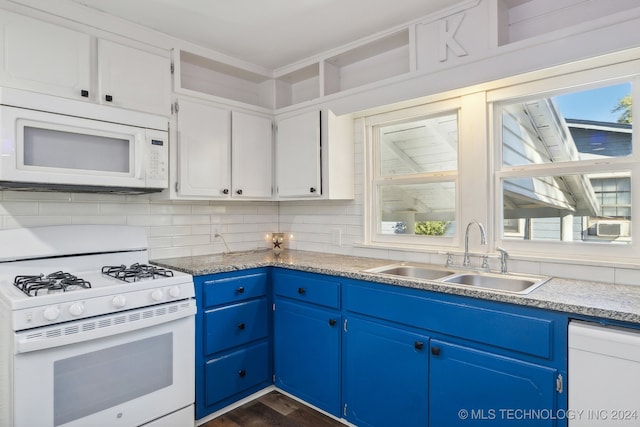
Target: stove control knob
x=156 y=295
x=119 y=301
x=76 y=309
x=174 y=292
x=51 y=313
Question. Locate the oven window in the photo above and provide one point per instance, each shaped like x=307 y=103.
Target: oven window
x=95 y=381
x=69 y=150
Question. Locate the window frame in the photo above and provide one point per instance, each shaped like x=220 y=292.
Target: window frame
x=374 y=181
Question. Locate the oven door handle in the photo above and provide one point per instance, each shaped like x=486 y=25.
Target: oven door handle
x=102 y=326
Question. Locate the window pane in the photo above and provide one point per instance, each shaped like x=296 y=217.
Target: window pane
x=568 y=208
x=419 y=146
x=583 y=125
x=417 y=209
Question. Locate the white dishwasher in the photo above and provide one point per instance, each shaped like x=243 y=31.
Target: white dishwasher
x=604 y=375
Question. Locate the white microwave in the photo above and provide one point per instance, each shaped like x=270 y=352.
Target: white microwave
x=52 y=143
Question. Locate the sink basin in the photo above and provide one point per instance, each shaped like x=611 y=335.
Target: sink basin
x=411 y=271
x=512 y=283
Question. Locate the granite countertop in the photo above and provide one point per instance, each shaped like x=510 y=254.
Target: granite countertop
x=603 y=300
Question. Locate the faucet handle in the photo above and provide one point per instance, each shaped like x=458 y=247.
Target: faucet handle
x=504 y=256
x=449 y=262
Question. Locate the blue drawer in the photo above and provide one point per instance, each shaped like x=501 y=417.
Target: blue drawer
x=234 y=325
x=236 y=372
x=234 y=289
x=307 y=287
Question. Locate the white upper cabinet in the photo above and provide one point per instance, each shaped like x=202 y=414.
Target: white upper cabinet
x=132 y=78
x=298 y=156
x=42 y=57
x=222 y=154
x=47 y=58
x=251 y=158
x=314 y=156
x=204 y=132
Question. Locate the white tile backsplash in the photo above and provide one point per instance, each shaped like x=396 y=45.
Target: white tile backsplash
x=175 y=228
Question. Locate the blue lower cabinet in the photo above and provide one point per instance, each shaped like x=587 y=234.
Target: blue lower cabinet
x=233 y=347
x=235 y=372
x=307 y=353
x=385 y=375
x=469 y=387
x=235 y=325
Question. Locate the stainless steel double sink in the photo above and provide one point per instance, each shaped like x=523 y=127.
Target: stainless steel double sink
x=510 y=283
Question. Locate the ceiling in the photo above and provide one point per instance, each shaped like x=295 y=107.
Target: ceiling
x=269 y=33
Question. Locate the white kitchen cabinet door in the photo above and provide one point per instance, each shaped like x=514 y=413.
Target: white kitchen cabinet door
x=134 y=79
x=42 y=57
x=315 y=157
x=298 y=156
x=204 y=135
x=251 y=156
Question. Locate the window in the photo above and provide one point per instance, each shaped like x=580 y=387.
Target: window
x=545 y=160
x=565 y=168
x=414 y=156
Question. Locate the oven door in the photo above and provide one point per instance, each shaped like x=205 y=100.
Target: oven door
x=126 y=379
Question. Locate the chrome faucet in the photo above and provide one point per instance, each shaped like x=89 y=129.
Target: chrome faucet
x=483 y=241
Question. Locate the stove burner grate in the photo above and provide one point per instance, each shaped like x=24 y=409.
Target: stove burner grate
x=34 y=285
x=136 y=272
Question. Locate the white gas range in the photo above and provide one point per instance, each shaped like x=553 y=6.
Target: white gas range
x=95 y=335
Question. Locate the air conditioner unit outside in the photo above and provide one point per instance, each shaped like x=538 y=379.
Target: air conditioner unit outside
x=612 y=228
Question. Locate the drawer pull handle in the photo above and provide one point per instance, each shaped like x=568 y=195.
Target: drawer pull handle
x=240 y=290
x=418 y=345
x=241 y=326
x=332 y=322
x=302 y=291
x=242 y=373
x=435 y=351
x=84 y=93
x=108 y=98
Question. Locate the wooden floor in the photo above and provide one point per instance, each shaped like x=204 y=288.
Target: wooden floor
x=273 y=409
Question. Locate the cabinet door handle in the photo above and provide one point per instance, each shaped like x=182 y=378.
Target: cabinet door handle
x=239 y=192
x=435 y=351
x=242 y=373
x=108 y=98
x=241 y=326
x=225 y=191
x=332 y=322
x=418 y=345
x=312 y=189
x=240 y=290
x=84 y=93
x=302 y=291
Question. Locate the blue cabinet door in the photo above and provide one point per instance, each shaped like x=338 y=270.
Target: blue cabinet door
x=307 y=353
x=385 y=375
x=470 y=387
